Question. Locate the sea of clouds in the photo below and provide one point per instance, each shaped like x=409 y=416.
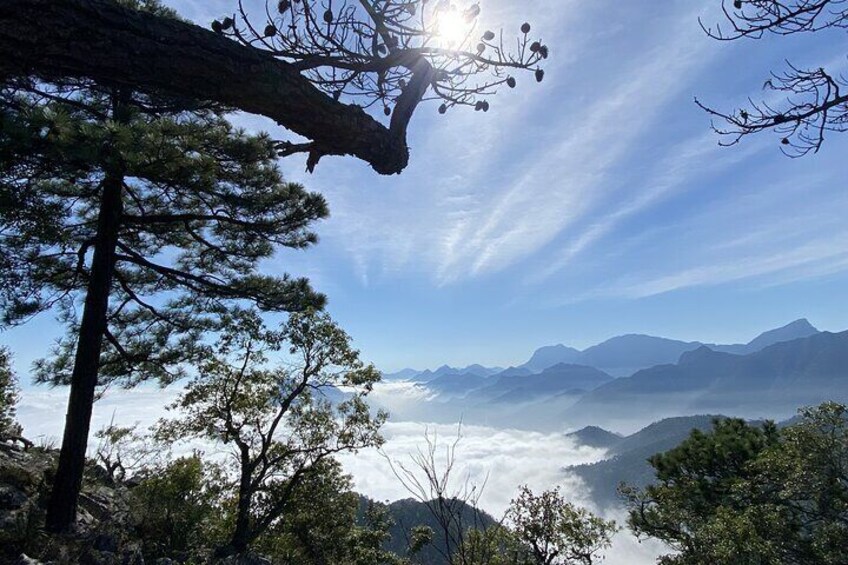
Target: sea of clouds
x=497 y=460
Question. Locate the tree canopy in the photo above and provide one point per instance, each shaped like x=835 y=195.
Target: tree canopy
x=279 y=420
x=746 y=494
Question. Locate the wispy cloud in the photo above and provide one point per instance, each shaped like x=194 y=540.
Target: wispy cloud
x=776 y=234
x=485 y=192
x=822 y=253
x=683 y=164
x=566 y=178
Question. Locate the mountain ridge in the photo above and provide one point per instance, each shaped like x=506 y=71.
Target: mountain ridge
x=620 y=356
x=780 y=377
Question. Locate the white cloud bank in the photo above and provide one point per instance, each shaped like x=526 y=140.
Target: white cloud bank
x=502 y=458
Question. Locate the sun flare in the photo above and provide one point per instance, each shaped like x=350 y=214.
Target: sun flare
x=452 y=27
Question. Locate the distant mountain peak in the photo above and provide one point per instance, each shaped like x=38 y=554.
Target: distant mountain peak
x=697 y=355
x=549 y=355
x=798 y=329
x=560 y=367
x=594 y=436
x=799 y=325
x=621 y=355
x=793 y=330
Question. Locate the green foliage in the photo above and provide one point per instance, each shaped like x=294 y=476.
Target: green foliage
x=419 y=537
x=177 y=509
x=307 y=536
x=330 y=535
x=8 y=394
x=745 y=494
x=555 y=531
x=282 y=426
x=203 y=204
x=495 y=545
x=367 y=541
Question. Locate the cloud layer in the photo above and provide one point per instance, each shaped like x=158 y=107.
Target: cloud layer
x=500 y=459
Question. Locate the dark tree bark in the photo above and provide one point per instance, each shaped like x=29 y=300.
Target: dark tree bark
x=101 y=40
x=242 y=532
x=62 y=507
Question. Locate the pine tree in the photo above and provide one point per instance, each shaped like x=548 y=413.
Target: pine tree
x=155 y=213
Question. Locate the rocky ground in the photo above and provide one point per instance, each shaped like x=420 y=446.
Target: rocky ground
x=105 y=522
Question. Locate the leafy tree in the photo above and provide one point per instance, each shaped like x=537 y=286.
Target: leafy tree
x=555 y=531
x=752 y=495
x=186 y=508
x=285 y=64
x=155 y=213
x=697 y=481
x=815 y=102
x=810 y=468
x=497 y=545
x=279 y=421
x=368 y=539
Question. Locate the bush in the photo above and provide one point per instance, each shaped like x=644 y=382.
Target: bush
x=177 y=509
x=8 y=396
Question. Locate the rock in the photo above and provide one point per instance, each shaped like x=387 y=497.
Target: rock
x=24 y=559
x=100 y=474
x=11 y=497
x=25 y=470
x=106 y=542
x=102 y=534
x=94 y=557
x=22 y=477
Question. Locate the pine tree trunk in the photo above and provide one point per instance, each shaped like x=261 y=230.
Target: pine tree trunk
x=62 y=508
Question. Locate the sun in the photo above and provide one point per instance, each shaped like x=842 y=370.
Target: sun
x=452 y=27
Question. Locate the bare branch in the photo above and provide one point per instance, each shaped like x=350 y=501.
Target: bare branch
x=808 y=103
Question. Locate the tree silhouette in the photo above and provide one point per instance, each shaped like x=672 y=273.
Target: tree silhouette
x=297 y=65
x=814 y=101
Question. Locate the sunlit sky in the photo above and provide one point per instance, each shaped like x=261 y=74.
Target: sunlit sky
x=596 y=203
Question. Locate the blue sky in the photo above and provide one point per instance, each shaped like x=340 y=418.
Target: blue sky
x=594 y=204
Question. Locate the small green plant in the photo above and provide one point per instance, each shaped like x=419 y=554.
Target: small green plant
x=9 y=396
